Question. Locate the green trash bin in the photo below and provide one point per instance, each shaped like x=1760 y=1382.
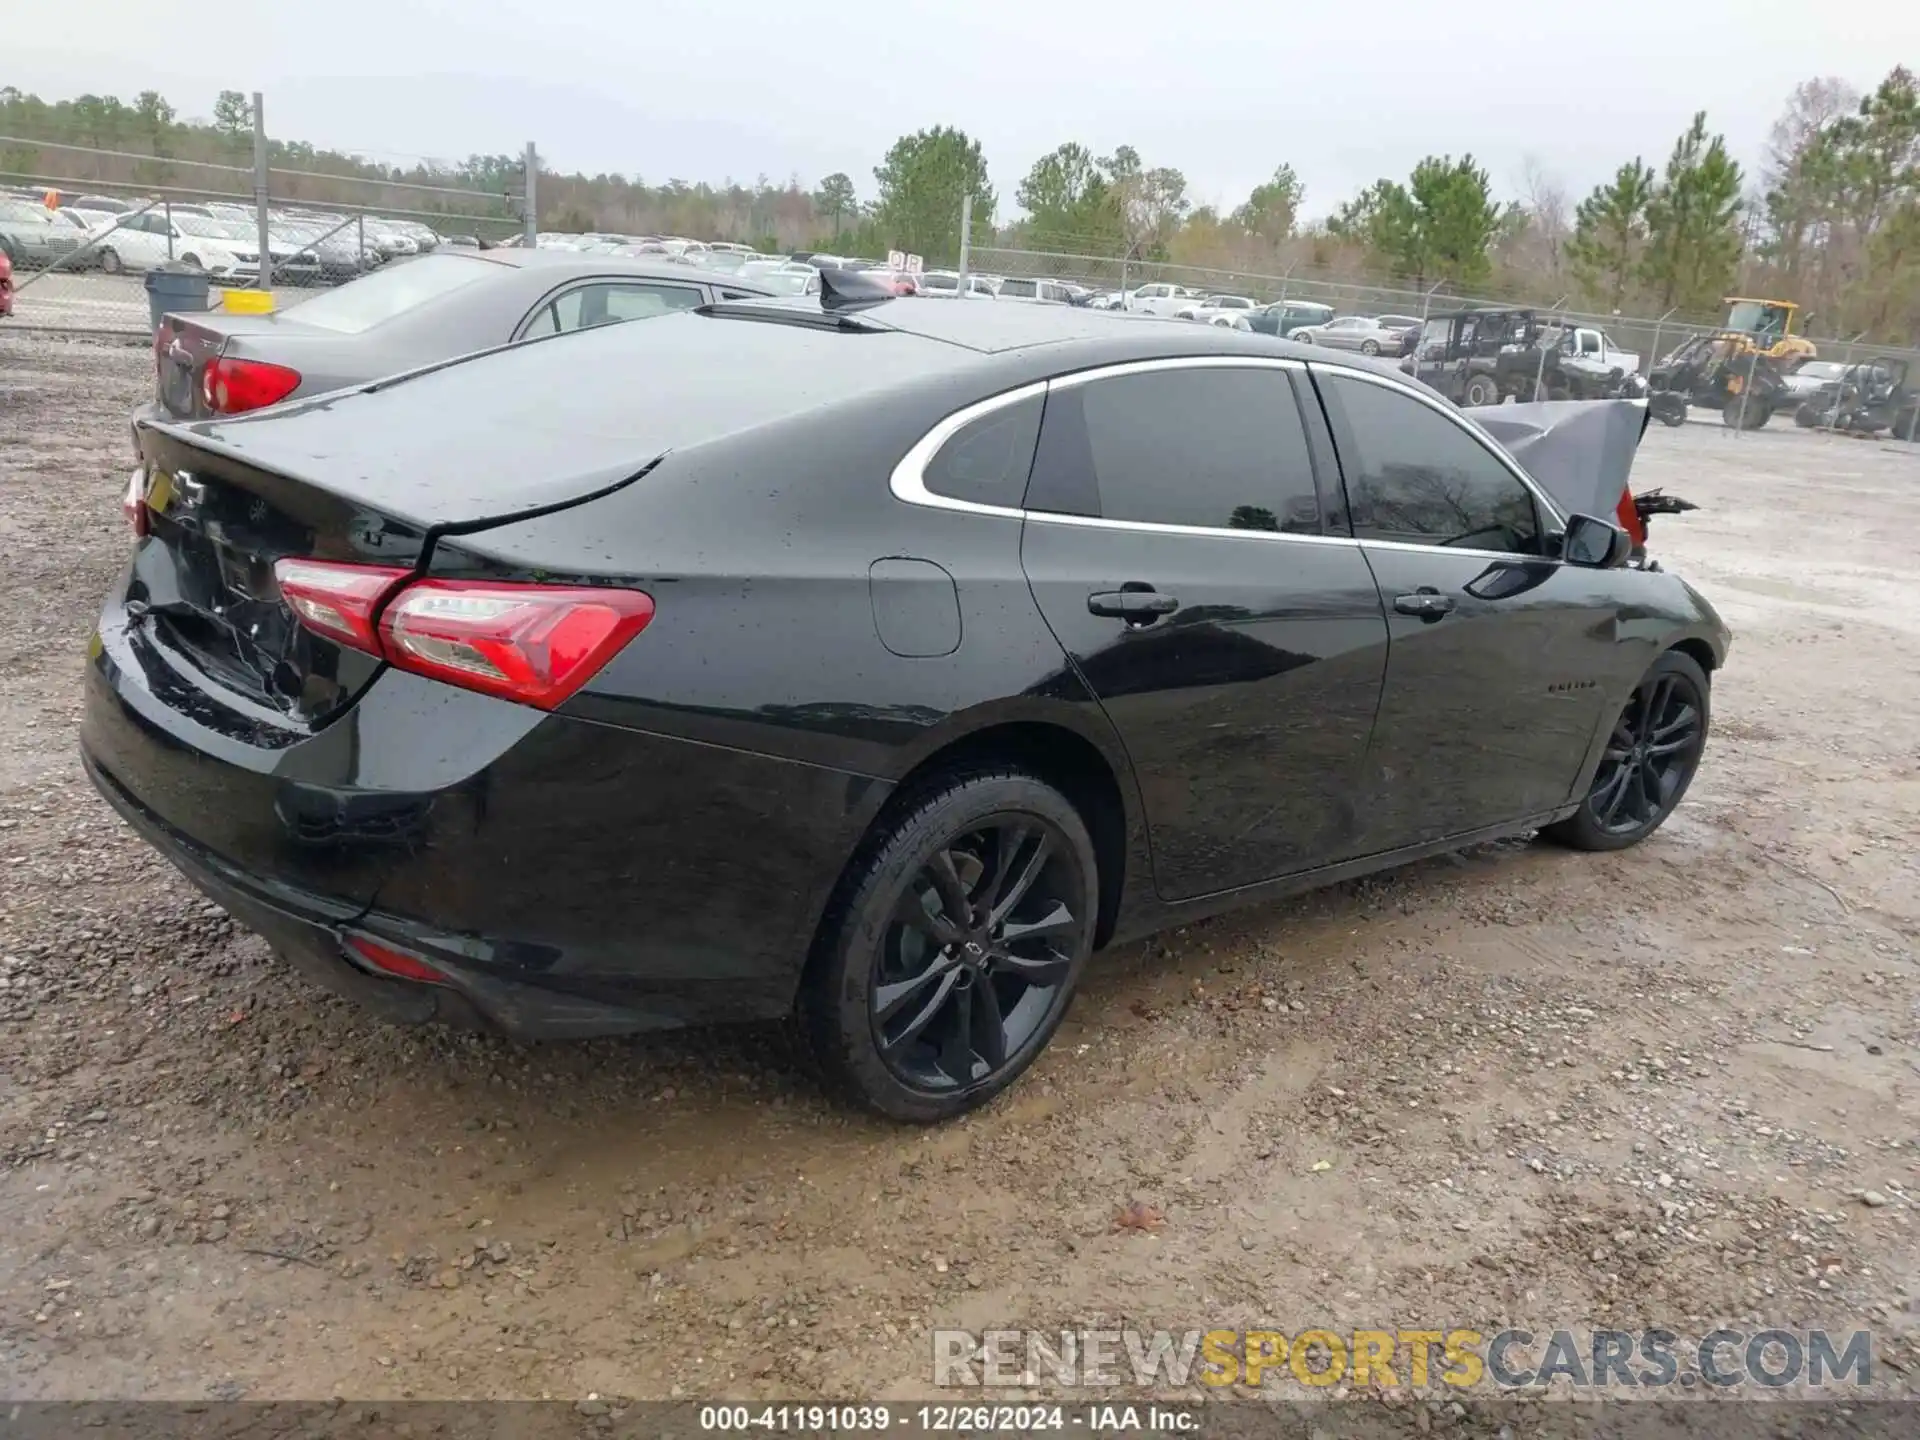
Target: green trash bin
x=174 y=287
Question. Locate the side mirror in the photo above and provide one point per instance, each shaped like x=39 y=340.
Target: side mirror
x=1595 y=544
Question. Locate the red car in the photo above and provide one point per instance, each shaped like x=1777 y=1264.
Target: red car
x=6 y=284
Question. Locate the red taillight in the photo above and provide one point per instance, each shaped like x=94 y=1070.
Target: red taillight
x=394 y=962
x=533 y=643
x=133 y=504
x=232 y=386
x=536 y=644
x=337 y=601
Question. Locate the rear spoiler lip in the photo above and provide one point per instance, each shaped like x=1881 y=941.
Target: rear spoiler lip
x=190 y=435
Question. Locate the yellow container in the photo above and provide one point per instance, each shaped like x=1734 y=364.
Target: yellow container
x=250 y=302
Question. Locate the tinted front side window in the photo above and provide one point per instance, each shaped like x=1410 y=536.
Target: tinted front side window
x=1417 y=477
x=1018 y=287
x=988 y=461
x=1218 y=448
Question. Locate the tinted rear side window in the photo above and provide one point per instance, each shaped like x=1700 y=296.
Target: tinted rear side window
x=1222 y=449
x=987 y=462
x=1416 y=477
x=373 y=299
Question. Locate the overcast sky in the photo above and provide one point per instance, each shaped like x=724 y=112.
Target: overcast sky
x=1224 y=90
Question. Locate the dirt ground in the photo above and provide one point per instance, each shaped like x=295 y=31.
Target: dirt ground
x=1676 y=1086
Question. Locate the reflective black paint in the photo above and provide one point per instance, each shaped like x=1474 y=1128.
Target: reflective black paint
x=661 y=850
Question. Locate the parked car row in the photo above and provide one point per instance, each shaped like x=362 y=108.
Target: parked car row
x=306 y=246
x=886 y=661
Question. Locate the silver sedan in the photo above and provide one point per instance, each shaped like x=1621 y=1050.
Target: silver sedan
x=1354 y=332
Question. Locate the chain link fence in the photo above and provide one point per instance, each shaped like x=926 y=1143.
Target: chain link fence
x=83 y=226
x=1650 y=339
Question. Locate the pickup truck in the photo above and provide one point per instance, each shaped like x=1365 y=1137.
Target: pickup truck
x=1161 y=299
x=1591 y=347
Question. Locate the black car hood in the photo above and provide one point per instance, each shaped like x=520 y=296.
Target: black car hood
x=1580 y=451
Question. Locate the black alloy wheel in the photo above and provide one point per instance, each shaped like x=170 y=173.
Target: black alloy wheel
x=978 y=951
x=1648 y=762
x=953 y=946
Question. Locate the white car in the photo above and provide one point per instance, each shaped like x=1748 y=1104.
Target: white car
x=141 y=242
x=1220 y=310
x=947 y=282
x=1022 y=288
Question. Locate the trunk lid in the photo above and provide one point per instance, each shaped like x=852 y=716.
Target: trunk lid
x=202 y=587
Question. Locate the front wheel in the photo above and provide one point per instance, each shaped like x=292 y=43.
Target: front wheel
x=109 y=262
x=1650 y=758
x=191 y=259
x=1482 y=390
x=952 y=946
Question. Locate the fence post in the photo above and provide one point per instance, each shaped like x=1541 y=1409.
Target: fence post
x=966 y=243
x=1426 y=302
x=360 y=236
x=1540 y=370
x=532 y=169
x=1654 y=358
x=264 y=279
x=1746 y=393
x=169 y=205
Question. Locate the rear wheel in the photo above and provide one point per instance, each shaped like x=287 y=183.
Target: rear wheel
x=1807 y=417
x=1649 y=760
x=1753 y=416
x=1369 y=347
x=952 y=946
x=1481 y=390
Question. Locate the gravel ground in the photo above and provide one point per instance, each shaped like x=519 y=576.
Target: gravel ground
x=1675 y=1086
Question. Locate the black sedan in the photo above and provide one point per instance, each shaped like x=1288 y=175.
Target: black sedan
x=876 y=661
x=411 y=312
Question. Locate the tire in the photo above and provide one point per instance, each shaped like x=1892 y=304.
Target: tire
x=881 y=985
x=1807 y=417
x=1482 y=390
x=193 y=260
x=110 y=262
x=1304 y=337
x=1634 y=789
x=1758 y=412
x=1369 y=347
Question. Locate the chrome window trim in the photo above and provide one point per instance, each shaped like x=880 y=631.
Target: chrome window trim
x=908 y=481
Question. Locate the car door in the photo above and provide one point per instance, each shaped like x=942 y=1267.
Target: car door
x=1500 y=655
x=1177 y=545
x=140 y=241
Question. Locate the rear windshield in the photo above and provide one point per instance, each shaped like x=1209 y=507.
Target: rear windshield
x=377 y=298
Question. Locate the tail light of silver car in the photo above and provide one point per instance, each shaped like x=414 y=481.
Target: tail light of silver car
x=231 y=387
